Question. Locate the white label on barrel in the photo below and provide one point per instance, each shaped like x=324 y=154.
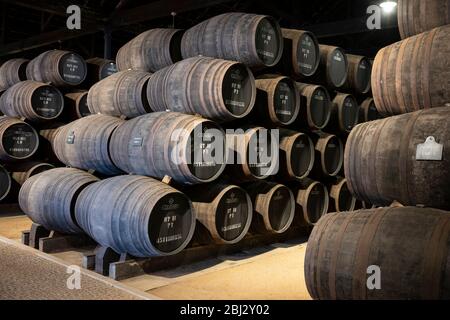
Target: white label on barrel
x=430 y=150
x=71 y=138
x=137 y=142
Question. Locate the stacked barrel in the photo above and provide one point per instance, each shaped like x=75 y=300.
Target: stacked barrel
x=233 y=128
x=403 y=162
x=36 y=98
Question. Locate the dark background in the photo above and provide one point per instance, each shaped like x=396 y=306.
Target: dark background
x=29 y=27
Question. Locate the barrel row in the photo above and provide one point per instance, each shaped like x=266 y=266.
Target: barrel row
x=72 y=201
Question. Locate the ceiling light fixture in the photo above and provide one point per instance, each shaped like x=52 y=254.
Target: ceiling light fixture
x=388 y=6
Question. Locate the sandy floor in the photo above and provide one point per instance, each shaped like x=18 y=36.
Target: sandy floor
x=273 y=272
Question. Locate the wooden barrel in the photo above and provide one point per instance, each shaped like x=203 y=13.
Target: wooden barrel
x=32 y=100
x=121 y=94
x=254 y=40
x=151 y=51
x=49 y=198
x=84 y=143
x=136 y=215
x=274 y=207
x=61 y=68
x=412 y=74
x=253 y=154
x=12 y=71
x=186 y=148
x=76 y=105
x=404 y=158
x=341 y=198
x=415 y=16
x=329 y=156
x=368 y=111
x=301 y=54
x=214 y=88
x=344 y=114
x=409 y=246
x=18 y=140
x=5 y=183
x=315 y=110
x=312 y=200
x=99 y=69
x=359 y=74
x=224 y=210
x=333 y=67
x=21 y=172
x=297 y=155
x=277 y=100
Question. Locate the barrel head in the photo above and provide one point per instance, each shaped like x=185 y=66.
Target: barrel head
x=47 y=102
x=338 y=68
x=5 y=183
x=302 y=156
x=233 y=215
x=281 y=209
x=349 y=113
x=333 y=156
x=72 y=68
x=268 y=41
x=238 y=90
x=308 y=55
x=20 y=141
x=317 y=203
x=320 y=108
x=107 y=70
x=83 y=108
x=363 y=76
x=170 y=224
x=286 y=101
x=205 y=161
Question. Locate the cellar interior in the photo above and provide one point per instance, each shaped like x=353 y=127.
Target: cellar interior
x=224 y=150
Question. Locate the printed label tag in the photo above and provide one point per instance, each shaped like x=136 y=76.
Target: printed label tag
x=430 y=150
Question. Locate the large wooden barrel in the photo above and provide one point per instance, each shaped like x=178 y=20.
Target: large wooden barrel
x=5 y=183
x=413 y=74
x=297 y=155
x=253 y=154
x=333 y=67
x=273 y=205
x=315 y=110
x=136 y=215
x=151 y=51
x=312 y=201
x=12 y=72
x=49 y=198
x=99 y=69
x=214 y=88
x=344 y=114
x=409 y=246
x=32 y=100
x=359 y=74
x=342 y=200
x=404 y=158
x=18 y=140
x=121 y=94
x=61 y=68
x=329 y=154
x=76 y=105
x=84 y=143
x=277 y=100
x=254 y=40
x=188 y=149
x=224 y=210
x=301 y=54
x=21 y=172
x=416 y=16
x=368 y=111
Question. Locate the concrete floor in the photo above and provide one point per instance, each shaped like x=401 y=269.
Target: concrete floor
x=272 y=272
